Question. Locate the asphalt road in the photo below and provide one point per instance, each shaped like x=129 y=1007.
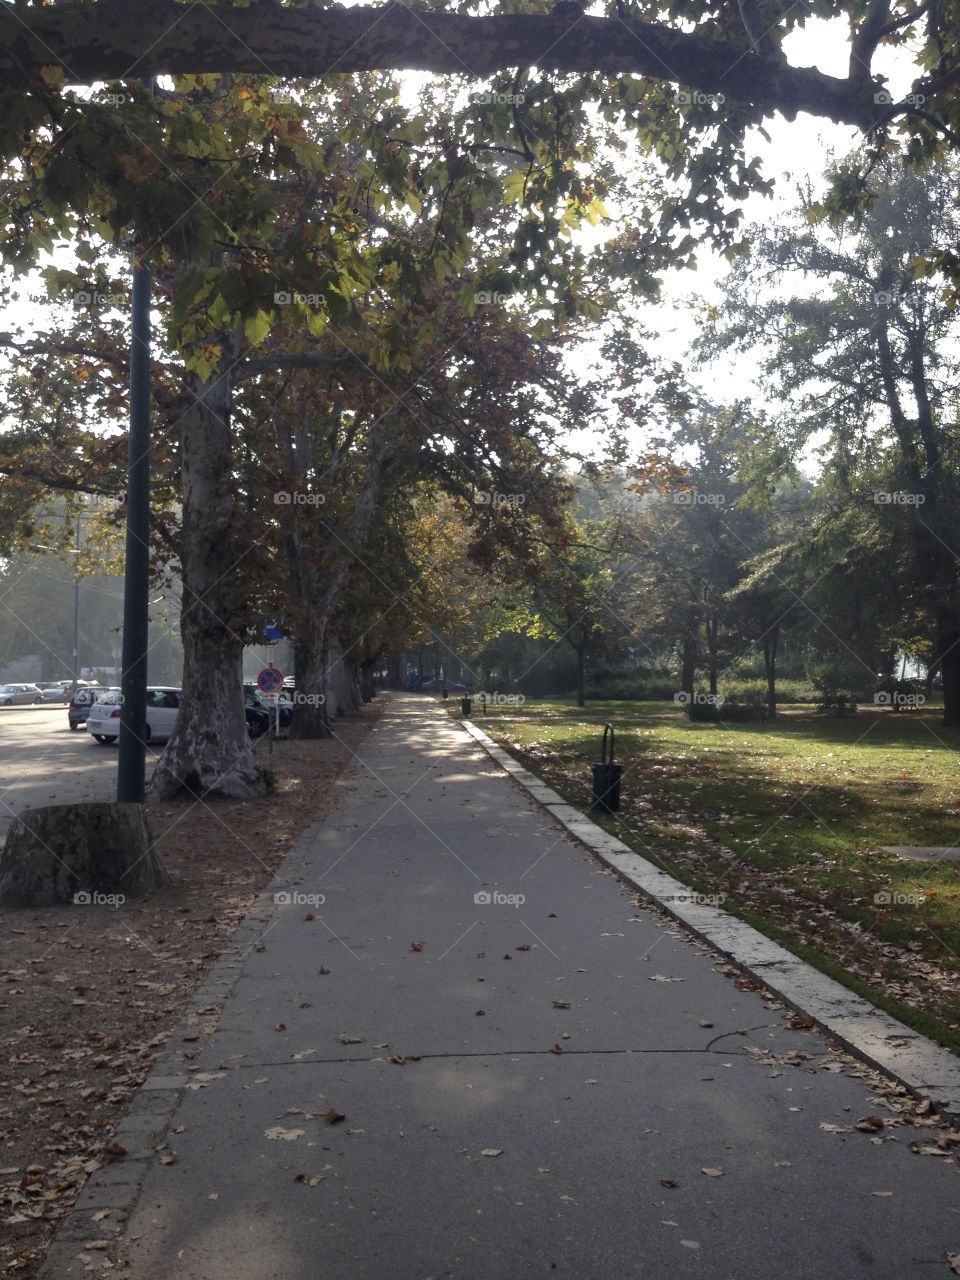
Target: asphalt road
x=456 y=1050
x=43 y=762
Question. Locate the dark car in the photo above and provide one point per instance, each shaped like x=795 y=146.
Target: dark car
x=83 y=699
x=258 y=717
x=253 y=699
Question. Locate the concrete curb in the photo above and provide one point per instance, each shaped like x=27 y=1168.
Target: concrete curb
x=922 y=1067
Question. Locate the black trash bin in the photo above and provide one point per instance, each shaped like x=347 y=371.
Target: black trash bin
x=606 y=778
x=466 y=706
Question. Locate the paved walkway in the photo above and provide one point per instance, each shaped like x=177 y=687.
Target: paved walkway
x=526 y=1090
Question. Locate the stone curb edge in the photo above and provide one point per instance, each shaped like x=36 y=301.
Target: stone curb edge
x=925 y=1069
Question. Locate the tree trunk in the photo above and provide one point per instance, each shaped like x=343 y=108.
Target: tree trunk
x=368 y=689
x=770 y=666
x=79 y=853
x=581 y=679
x=949 y=642
x=209 y=751
x=310 y=700
x=688 y=661
x=712 y=627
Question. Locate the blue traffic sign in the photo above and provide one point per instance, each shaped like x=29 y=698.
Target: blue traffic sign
x=271 y=629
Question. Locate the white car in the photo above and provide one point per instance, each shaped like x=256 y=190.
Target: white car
x=163 y=704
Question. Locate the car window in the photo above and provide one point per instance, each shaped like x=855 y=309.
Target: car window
x=162 y=698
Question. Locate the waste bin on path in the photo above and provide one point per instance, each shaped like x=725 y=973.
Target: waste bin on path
x=606 y=778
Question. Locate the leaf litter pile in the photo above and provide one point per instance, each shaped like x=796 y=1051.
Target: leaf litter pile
x=89 y=995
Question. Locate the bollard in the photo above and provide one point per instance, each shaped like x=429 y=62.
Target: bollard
x=466 y=705
x=483 y=704
x=606 y=778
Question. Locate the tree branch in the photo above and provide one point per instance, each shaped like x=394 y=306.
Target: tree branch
x=116 y=40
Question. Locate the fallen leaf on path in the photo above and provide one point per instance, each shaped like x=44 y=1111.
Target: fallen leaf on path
x=416 y=946
x=713 y=1173
x=168 y=1157
x=954 y=1260
x=310 y=1179
x=492 y=1151
x=333 y=1116
x=669 y=1182
x=561 y=1004
x=659 y=977
x=834 y=1128
x=883 y=1194
x=524 y=946
x=279 y=1134
x=870 y=1124
x=345 y=1039
x=556 y=1049
x=705 y=1023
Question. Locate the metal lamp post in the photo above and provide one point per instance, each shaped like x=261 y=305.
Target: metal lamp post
x=132 y=762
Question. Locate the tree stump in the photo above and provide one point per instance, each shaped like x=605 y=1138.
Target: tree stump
x=78 y=853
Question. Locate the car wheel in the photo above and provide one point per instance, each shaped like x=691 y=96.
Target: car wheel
x=101 y=738
x=74 y=726
x=8 y=703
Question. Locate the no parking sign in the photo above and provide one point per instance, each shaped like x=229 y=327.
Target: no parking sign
x=270 y=680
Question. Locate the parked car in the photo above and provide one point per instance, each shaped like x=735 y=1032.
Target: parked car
x=16 y=695
x=83 y=699
x=54 y=690
x=163 y=705
x=254 y=699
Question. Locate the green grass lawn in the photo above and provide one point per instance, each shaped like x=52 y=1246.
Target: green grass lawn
x=787 y=820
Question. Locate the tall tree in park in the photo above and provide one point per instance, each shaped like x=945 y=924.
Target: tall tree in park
x=870 y=357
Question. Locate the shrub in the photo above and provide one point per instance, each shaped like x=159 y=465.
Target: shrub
x=836 y=702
